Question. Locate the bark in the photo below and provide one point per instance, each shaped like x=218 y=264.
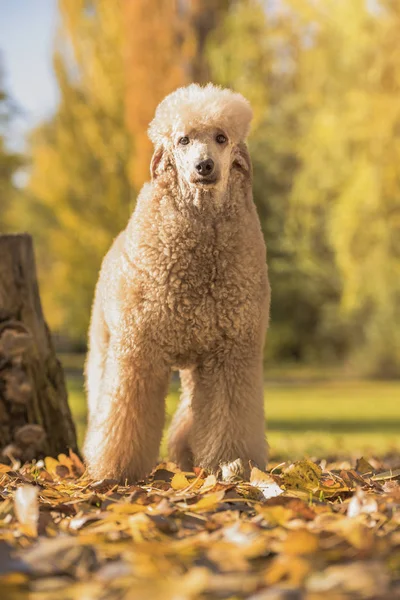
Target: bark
x=35 y=419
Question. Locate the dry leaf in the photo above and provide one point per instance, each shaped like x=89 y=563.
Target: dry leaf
x=179 y=482
x=139 y=541
x=361 y=503
x=302 y=475
x=209 y=483
x=51 y=465
x=361 y=579
x=27 y=508
x=265 y=483
x=207 y=502
x=363 y=466
x=300 y=541
x=291 y=569
x=392 y=474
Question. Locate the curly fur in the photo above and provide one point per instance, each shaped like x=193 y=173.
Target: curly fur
x=184 y=286
x=196 y=106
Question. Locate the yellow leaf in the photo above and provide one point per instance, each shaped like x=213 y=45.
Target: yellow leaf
x=4 y=468
x=13 y=579
x=302 y=475
x=300 y=541
x=207 y=502
x=64 y=459
x=292 y=569
x=127 y=509
x=179 y=481
x=51 y=465
x=139 y=526
x=275 y=515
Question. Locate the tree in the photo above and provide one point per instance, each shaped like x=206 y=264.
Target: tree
x=114 y=62
x=345 y=202
x=10 y=161
x=255 y=51
x=79 y=191
x=325 y=153
x=157 y=42
x=35 y=420
x=165 y=49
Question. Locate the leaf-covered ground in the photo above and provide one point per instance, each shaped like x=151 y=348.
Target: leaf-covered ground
x=302 y=530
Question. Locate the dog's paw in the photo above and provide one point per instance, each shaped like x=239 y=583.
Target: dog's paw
x=232 y=471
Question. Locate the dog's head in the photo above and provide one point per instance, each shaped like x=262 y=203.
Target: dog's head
x=200 y=132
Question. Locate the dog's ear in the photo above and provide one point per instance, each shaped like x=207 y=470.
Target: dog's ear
x=242 y=161
x=161 y=161
x=155 y=161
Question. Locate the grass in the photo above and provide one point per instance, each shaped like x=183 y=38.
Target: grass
x=306 y=416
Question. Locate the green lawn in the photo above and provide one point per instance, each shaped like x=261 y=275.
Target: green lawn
x=328 y=418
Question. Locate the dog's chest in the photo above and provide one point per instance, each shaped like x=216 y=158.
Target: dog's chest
x=202 y=289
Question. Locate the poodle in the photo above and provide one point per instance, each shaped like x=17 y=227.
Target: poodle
x=185 y=287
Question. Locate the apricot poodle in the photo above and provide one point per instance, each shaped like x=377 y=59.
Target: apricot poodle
x=185 y=286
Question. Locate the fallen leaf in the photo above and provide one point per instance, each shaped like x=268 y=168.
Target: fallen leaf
x=392 y=474
x=179 y=482
x=27 y=508
x=363 y=466
x=302 y=475
x=51 y=465
x=125 y=508
x=291 y=569
x=300 y=541
x=361 y=503
x=207 y=502
x=265 y=483
x=362 y=579
x=275 y=515
x=232 y=541
x=209 y=483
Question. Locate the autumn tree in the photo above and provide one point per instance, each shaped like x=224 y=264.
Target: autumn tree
x=157 y=41
x=165 y=49
x=344 y=216
x=114 y=61
x=323 y=78
x=80 y=196
x=254 y=51
x=10 y=161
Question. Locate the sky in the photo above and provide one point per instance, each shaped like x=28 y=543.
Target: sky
x=27 y=32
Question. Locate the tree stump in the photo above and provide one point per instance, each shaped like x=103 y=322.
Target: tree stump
x=35 y=419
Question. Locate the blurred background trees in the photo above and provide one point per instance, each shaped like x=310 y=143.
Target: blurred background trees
x=324 y=80
x=10 y=161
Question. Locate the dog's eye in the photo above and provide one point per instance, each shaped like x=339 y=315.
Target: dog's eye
x=221 y=139
x=184 y=140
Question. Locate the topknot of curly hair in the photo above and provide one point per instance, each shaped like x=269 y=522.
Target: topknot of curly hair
x=198 y=106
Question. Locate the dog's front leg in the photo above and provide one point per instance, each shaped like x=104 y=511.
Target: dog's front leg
x=228 y=413
x=125 y=430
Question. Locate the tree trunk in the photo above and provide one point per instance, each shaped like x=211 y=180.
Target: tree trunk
x=35 y=419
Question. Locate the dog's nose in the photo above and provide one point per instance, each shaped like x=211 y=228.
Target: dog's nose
x=205 y=167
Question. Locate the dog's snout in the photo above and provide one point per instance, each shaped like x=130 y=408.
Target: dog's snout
x=205 y=167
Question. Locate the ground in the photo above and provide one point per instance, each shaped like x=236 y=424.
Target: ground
x=300 y=531
x=322 y=522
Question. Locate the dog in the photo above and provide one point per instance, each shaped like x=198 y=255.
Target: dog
x=185 y=286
